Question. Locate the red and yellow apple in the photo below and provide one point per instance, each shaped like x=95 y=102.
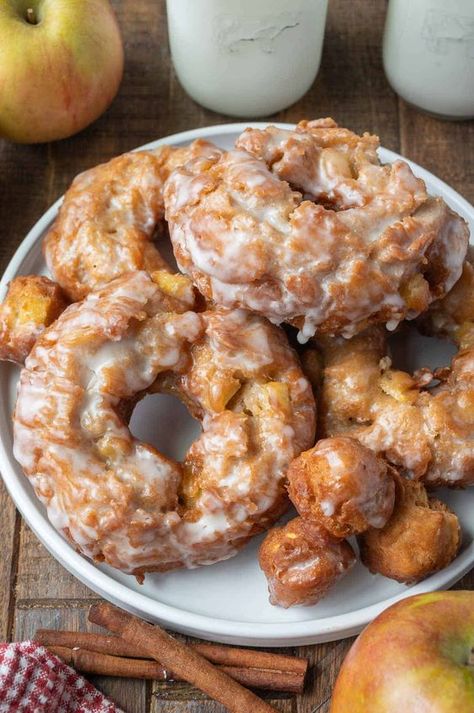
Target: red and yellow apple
x=413 y=658
x=61 y=63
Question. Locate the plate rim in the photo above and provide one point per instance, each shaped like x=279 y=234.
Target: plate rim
x=268 y=634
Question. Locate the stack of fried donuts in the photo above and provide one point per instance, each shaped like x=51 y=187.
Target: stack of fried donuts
x=303 y=227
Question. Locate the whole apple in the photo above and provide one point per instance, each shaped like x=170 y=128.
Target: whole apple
x=413 y=658
x=61 y=62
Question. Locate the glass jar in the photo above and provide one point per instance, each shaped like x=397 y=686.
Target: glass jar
x=246 y=58
x=428 y=54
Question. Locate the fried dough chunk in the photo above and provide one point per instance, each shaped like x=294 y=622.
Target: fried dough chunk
x=32 y=303
x=301 y=562
x=422 y=536
x=343 y=486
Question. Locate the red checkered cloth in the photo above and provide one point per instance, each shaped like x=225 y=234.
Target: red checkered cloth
x=32 y=680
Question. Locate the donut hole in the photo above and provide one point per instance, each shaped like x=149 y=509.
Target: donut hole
x=161 y=239
x=164 y=422
x=411 y=350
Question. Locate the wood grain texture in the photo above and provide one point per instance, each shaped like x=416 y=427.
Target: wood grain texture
x=41 y=577
x=10 y=525
x=199 y=705
x=35 y=591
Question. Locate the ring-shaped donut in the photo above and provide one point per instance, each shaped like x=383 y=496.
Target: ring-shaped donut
x=110 y=216
x=105 y=227
x=118 y=499
x=426 y=430
x=359 y=243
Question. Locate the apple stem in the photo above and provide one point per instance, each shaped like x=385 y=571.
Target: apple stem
x=30 y=16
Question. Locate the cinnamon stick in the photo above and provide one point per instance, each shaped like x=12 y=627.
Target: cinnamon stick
x=250 y=658
x=216 y=653
x=103 y=644
x=186 y=662
x=106 y=665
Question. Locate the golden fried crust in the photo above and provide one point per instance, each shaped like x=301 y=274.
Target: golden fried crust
x=453 y=316
x=307 y=227
x=422 y=536
x=427 y=432
x=109 y=217
x=342 y=486
x=301 y=562
x=32 y=304
x=118 y=499
x=350 y=376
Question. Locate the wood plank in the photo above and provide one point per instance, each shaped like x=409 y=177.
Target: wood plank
x=326 y=660
x=40 y=576
x=23 y=191
x=467 y=582
x=159 y=705
x=182 y=692
x=9 y=535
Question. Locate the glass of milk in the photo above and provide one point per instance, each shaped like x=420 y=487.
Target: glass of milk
x=428 y=54
x=246 y=58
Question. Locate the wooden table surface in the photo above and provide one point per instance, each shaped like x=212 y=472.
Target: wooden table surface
x=34 y=589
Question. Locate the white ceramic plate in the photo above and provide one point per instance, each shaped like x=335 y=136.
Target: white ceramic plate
x=228 y=601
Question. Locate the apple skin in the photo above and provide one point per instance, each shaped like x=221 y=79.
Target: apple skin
x=59 y=75
x=412 y=659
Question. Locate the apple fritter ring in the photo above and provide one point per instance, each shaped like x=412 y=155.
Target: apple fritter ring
x=356 y=243
x=302 y=561
x=119 y=500
x=422 y=536
x=342 y=486
x=110 y=216
x=427 y=431
x=31 y=304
